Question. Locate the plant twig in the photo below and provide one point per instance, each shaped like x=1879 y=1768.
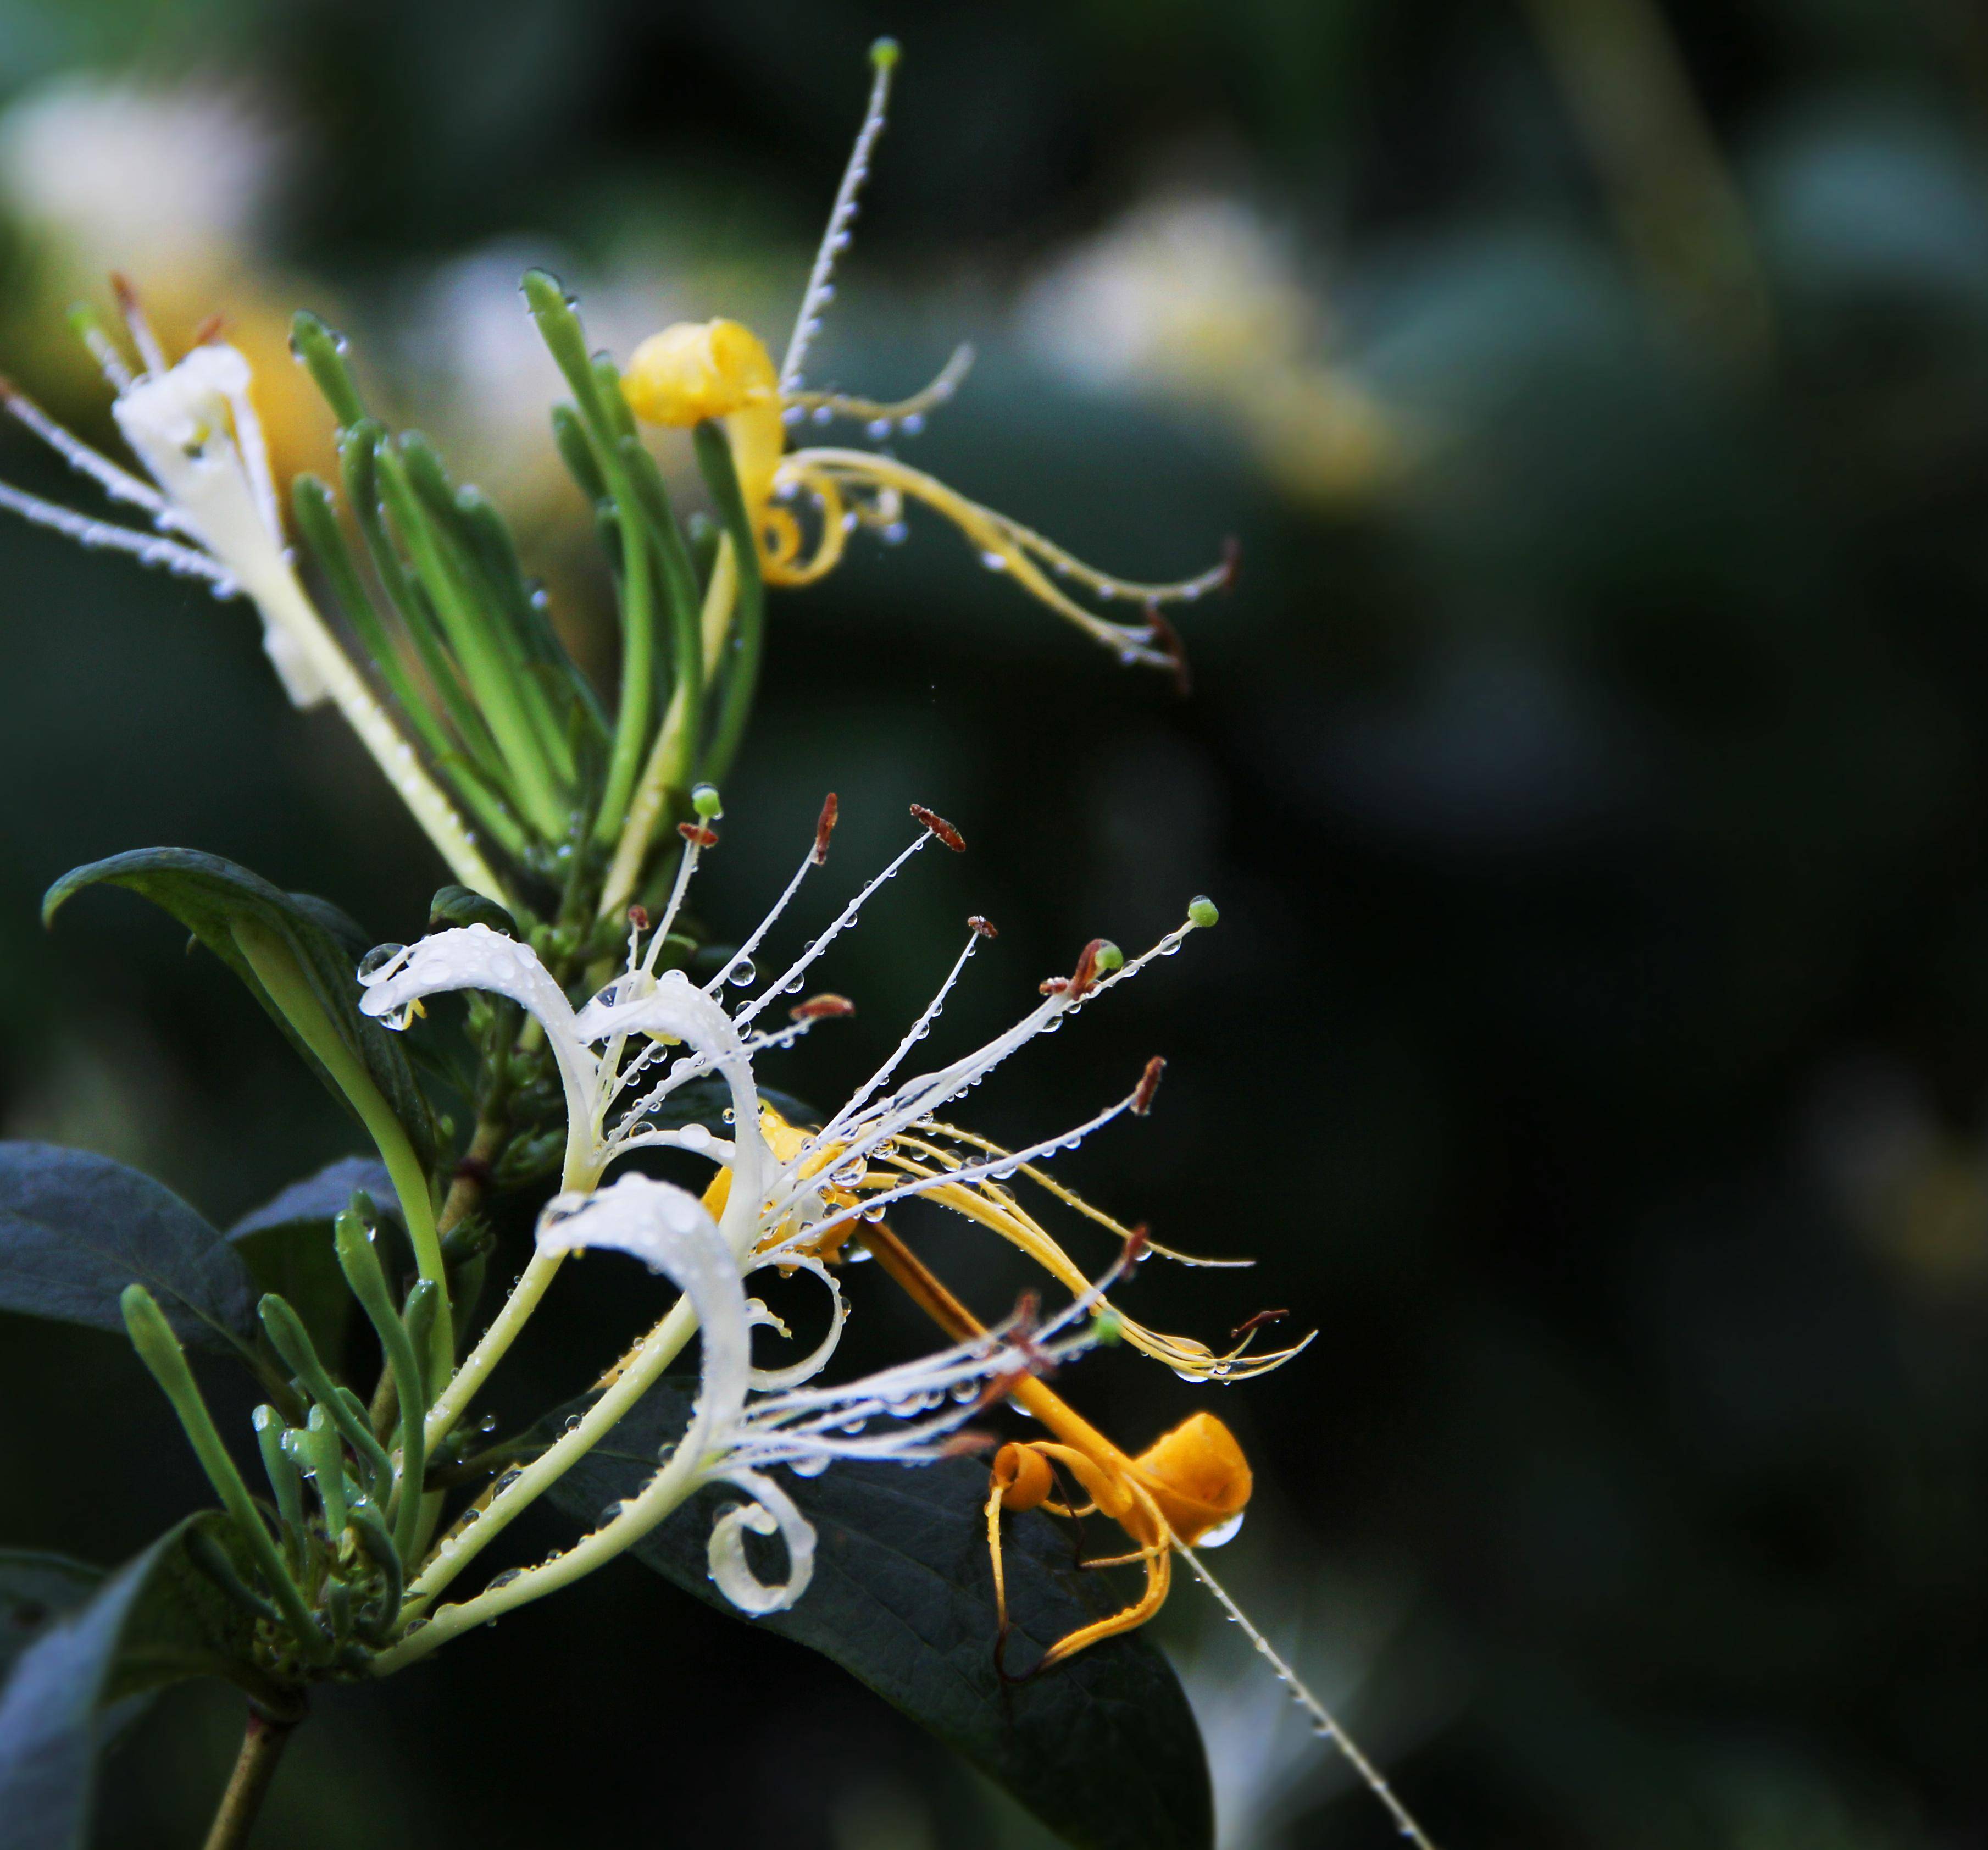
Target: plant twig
x=262 y=1744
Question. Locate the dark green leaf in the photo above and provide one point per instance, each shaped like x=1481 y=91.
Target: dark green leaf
x=36 y=1590
x=1102 y=1749
x=460 y=905
x=75 y=1229
x=287 y=1244
x=210 y=896
x=157 y=1621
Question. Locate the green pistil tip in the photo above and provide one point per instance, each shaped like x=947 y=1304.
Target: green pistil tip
x=704 y=799
x=885 y=52
x=1106 y=1327
x=1110 y=958
x=1202 y=912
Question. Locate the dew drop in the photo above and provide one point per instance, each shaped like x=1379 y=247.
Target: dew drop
x=1216 y=1538
x=504 y=1580
x=877 y=429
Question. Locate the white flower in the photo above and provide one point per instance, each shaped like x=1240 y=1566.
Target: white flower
x=744 y=1423
x=782 y=1195
x=212 y=507
x=194 y=428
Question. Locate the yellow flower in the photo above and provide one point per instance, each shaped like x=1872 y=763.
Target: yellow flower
x=692 y=373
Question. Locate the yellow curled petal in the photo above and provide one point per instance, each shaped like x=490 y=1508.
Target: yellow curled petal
x=698 y=370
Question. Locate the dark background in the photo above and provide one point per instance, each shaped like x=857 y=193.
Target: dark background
x=1589 y=765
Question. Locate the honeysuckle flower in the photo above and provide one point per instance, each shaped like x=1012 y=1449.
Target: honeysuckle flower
x=695 y=372
x=209 y=497
x=780 y=1194
x=743 y=1424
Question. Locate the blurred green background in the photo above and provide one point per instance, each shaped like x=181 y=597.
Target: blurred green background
x=1590 y=764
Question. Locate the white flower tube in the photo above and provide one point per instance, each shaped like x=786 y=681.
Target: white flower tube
x=193 y=427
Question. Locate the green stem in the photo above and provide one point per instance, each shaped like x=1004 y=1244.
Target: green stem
x=714 y=457
x=262 y=1744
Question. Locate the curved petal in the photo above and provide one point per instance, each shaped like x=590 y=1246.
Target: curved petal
x=672 y=1232
x=770 y=1380
x=676 y=1008
x=771 y=1511
x=474 y=957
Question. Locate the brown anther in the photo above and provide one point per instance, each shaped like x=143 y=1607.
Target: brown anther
x=1149 y=1084
x=983 y=926
x=127 y=296
x=638 y=917
x=824 y=827
x=698 y=834
x=822 y=1008
x=1054 y=986
x=1172 y=647
x=1085 y=976
x=1232 y=561
x=209 y=329
x=1136 y=1243
x=941 y=828
x=1256 y=1323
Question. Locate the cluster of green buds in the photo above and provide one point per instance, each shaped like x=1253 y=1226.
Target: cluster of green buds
x=574 y=797
x=347 y=1508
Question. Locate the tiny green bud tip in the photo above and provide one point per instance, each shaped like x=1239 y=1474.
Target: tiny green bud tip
x=885 y=52
x=1202 y=912
x=704 y=799
x=1110 y=958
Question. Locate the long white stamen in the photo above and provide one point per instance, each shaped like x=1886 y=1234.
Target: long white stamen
x=687 y=867
x=871 y=1204
x=845 y=918
x=118 y=484
x=105 y=535
x=139 y=324
x=109 y=362
x=1323 y=1720
x=884 y=56
x=744 y=954
x=916 y=1033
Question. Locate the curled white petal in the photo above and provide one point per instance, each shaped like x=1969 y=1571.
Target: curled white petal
x=769 y=1380
x=474 y=957
x=669 y=1229
x=772 y=1511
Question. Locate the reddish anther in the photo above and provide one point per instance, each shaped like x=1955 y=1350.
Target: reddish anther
x=822 y=1008
x=1085 y=977
x=638 y=917
x=825 y=827
x=1172 y=647
x=1054 y=986
x=941 y=828
x=1149 y=1084
x=1256 y=1323
x=698 y=834
x=983 y=926
x=209 y=329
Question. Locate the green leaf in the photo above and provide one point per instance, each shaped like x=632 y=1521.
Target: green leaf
x=35 y=1590
x=75 y=1229
x=158 y=1620
x=287 y=1245
x=224 y=905
x=1104 y=1749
